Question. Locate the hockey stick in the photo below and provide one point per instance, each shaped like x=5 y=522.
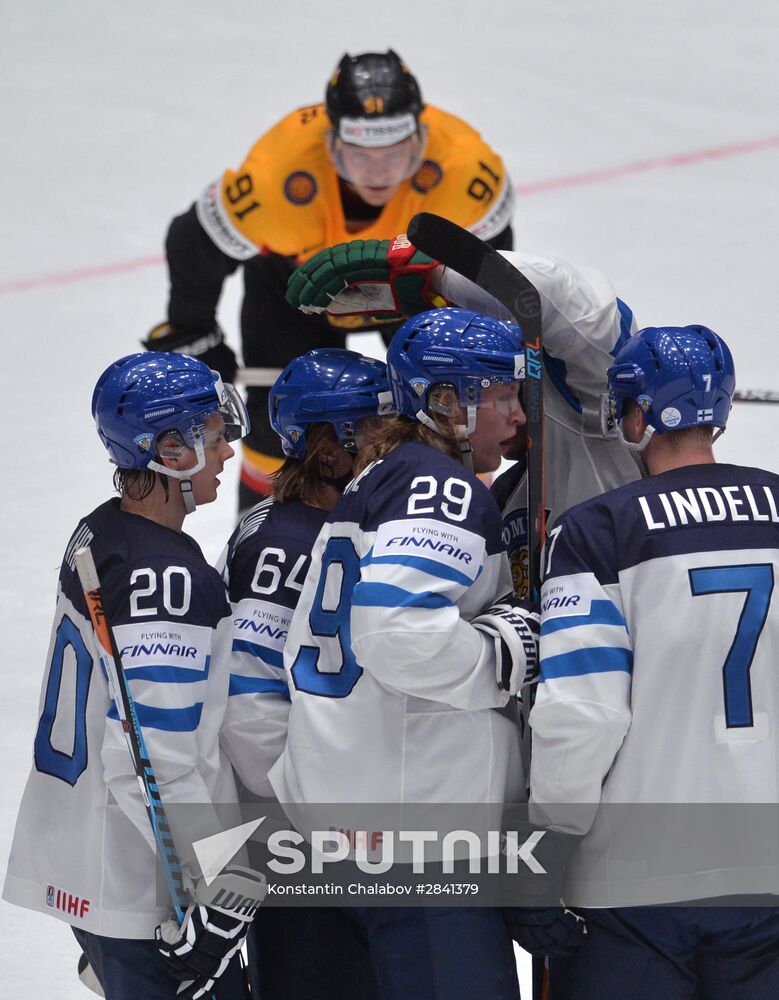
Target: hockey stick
x=755 y=396
x=125 y=707
x=468 y=255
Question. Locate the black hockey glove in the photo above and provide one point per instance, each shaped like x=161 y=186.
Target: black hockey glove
x=548 y=930
x=206 y=345
x=515 y=628
x=199 y=951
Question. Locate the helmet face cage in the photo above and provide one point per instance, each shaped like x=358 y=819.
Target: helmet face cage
x=146 y=398
x=373 y=100
x=456 y=347
x=680 y=377
x=332 y=386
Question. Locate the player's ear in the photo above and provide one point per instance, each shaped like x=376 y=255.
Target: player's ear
x=633 y=422
x=171 y=451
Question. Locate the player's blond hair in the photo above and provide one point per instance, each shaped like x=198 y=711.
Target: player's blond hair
x=388 y=433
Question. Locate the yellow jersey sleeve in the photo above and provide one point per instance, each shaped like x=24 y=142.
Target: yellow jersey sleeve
x=278 y=199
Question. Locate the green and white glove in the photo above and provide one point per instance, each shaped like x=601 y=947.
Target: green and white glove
x=382 y=278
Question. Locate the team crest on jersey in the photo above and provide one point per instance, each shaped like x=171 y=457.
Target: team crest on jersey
x=144 y=441
x=419 y=385
x=300 y=188
x=427 y=177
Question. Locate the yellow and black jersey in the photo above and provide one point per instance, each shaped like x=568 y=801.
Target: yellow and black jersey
x=285 y=197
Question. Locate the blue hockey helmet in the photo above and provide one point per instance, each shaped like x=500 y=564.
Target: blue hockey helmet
x=680 y=376
x=331 y=386
x=456 y=347
x=143 y=397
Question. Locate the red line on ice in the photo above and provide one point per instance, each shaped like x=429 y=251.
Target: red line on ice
x=522 y=190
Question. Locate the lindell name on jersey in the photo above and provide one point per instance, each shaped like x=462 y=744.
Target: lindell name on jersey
x=699 y=504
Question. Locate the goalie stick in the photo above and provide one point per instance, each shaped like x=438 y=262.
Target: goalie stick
x=120 y=692
x=465 y=253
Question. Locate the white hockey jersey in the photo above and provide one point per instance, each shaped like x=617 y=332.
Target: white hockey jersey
x=83 y=850
x=265 y=564
x=584 y=326
x=394 y=695
x=659 y=694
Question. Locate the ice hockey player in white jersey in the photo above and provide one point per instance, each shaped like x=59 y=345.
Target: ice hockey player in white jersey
x=83 y=849
x=319 y=406
x=584 y=325
x=399 y=665
x=659 y=693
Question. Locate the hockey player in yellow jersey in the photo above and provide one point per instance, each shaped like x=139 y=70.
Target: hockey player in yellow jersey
x=363 y=162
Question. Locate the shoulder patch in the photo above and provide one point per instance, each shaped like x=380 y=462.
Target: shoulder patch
x=300 y=187
x=427 y=177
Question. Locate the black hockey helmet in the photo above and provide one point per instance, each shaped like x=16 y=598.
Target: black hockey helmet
x=372 y=85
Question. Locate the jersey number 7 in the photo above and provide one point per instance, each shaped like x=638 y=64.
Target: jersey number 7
x=757 y=582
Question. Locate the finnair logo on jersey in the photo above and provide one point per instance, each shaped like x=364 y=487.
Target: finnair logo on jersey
x=255 y=618
x=259 y=628
x=165 y=644
x=449 y=545
x=413 y=542
x=567 y=596
x=159 y=649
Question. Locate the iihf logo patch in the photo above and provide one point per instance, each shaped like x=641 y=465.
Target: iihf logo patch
x=419 y=385
x=144 y=441
x=705 y=416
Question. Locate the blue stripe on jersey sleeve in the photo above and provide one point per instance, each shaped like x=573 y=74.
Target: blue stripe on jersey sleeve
x=239 y=684
x=625 y=327
x=384 y=595
x=557 y=370
x=166 y=674
x=169 y=720
x=601 y=613
x=429 y=566
x=596 y=660
x=273 y=657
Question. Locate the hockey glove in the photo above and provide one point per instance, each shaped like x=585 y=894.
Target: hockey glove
x=548 y=930
x=386 y=279
x=207 y=346
x=515 y=628
x=200 y=950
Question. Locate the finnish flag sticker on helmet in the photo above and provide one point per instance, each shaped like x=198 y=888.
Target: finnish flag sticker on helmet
x=705 y=416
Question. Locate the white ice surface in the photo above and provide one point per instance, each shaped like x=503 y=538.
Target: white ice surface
x=115 y=115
